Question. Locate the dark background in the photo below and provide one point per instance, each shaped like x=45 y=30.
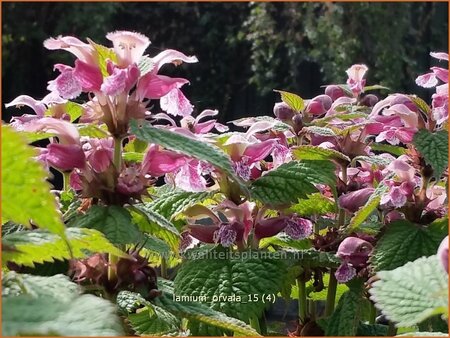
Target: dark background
x=245 y=49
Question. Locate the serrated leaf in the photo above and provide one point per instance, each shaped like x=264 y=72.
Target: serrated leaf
x=103 y=54
x=39 y=246
x=371 y=205
x=235 y=277
x=371 y=330
x=434 y=148
x=49 y=306
x=421 y=104
x=91 y=130
x=345 y=318
x=294 y=101
x=314 y=204
x=155 y=321
x=285 y=241
x=129 y=302
x=153 y=223
x=322 y=131
x=175 y=202
x=343 y=117
x=180 y=143
x=375 y=87
x=145 y=65
x=25 y=192
x=278 y=125
x=308 y=152
x=201 y=313
x=113 y=221
x=403 y=242
x=413 y=292
x=291 y=181
x=388 y=148
x=373 y=159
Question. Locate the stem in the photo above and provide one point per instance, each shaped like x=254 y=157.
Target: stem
x=254 y=323
x=164 y=268
x=263 y=325
x=392 y=330
x=331 y=295
x=66 y=181
x=312 y=309
x=372 y=313
x=117 y=153
x=112 y=262
x=302 y=304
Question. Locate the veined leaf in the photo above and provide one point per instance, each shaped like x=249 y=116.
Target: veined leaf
x=145 y=65
x=307 y=152
x=413 y=292
x=91 y=130
x=49 y=306
x=370 y=206
x=388 y=148
x=421 y=104
x=294 y=101
x=26 y=193
x=103 y=54
x=183 y=144
x=375 y=87
x=323 y=122
x=314 y=204
x=74 y=110
x=291 y=181
x=322 y=131
x=404 y=242
x=113 y=221
x=39 y=246
x=373 y=159
x=434 y=148
x=154 y=321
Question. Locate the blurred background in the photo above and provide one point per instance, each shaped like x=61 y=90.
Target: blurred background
x=245 y=49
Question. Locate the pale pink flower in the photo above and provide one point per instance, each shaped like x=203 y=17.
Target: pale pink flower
x=189 y=177
x=175 y=103
x=442 y=253
x=345 y=272
x=356 y=80
x=158 y=162
x=128 y=46
x=83 y=51
x=99 y=152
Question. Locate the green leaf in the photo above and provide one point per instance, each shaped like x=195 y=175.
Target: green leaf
x=345 y=318
x=113 y=221
x=314 y=204
x=413 y=292
x=278 y=125
x=374 y=87
x=322 y=131
x=129 y=302
x=373 y=159
x=50 y=306
x=74 y=110
x=307 y=152
x=294 y=101
x=201 y=313
x=236 y=278
x=177 y=142
x=133 y=157
x=313 y=258
x=36 y=136
x=371 y=205
x=404 y=241
x=172 y=203
x=291 y=181
x=154 y=321
x=423 y=334
x=434 y=148
x=145 y=65
x=39 y=246
x=91 y=130
x=153 y=223
x=323 y=122
x=371 y=330
x=322 y=295
x=285 y=241
x=421 y=104
x=25 y=192
x=389 y=148
x=103 y=54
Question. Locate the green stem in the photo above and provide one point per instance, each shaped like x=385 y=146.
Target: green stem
x=164 y=268
x=312 y=309
x=117 y=153
x=331 y=295
x=392 y=330
x=112 y=260
x=302 y=304
x=372 y=313
x=66 y=181
x=254 y=323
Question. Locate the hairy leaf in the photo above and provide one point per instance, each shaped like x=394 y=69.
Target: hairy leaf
x=404 y=242
x=294 y=101
x=154 y=321
x=91 y=130
x=39 y=246
x=314 y=204
x=291 y=181
x=307 y=152
x=103 y=54
x=434 y=148
x=25 y=192
x=413 y=292
x=388 y=148
x=113 y=221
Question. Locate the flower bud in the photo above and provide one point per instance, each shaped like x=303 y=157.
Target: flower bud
x=319 y=105
x=334 y=92
x=355 y=251
x=369 y=100
x=282 y=111
x=352 y=201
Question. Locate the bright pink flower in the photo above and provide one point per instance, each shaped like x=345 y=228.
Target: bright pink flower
x=334 y=92
x=83 y=51
x=115 y=83
x=129 y=46
x=319 y=105
x=64 y=157
x=356 y=80
x=158 y=162
x=189 y=177
x=89 y=76
x=99 y=153
x=175 y=103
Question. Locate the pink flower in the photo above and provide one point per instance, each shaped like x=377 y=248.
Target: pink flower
x=354 y=200
x=319 y=105
x=345 y=272
x=175 y=103
x=83 y=51
x=437 y=196
x=355 y=251
x=356 y=80
x=439 y=104
x=442 y=253
x=189 y=176
x=298 y=228
x=129 y=46
x=99 y=153
x=130 y=181
x=401 y=189
x=158 y=162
